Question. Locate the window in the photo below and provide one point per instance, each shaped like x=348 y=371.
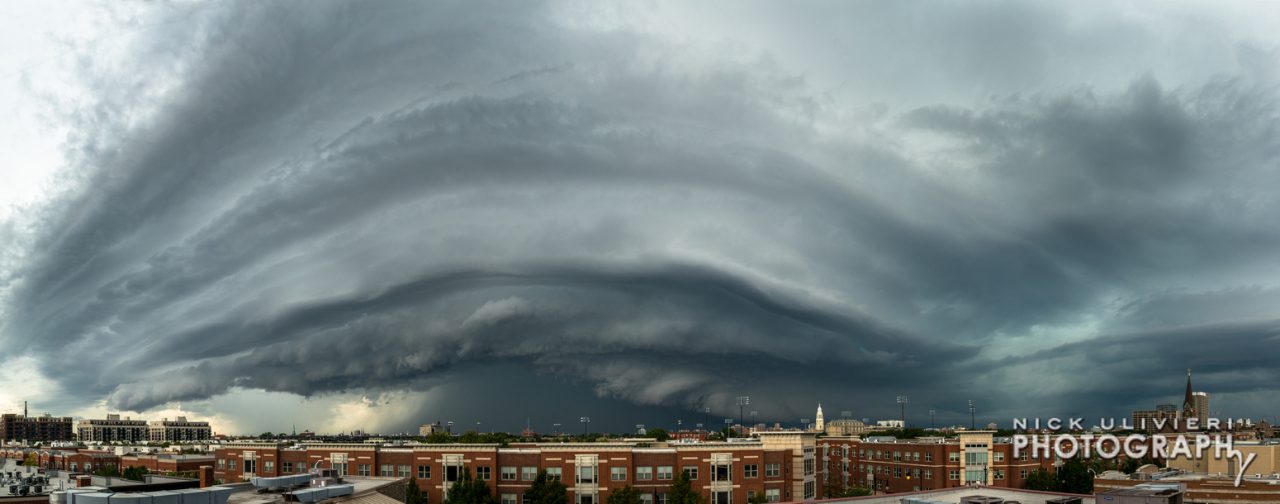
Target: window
x=554 y=473
x=808 y=467
x=750 y=470
x=719 y=497
x=1022 y=473
x=998 y=457
x=644 y=473
x=402 y=471
x=617 y=474
x=928 y=474
x=586 y=474
x=975 y=475
x=772 y=471
x=508 y=474
x=915 y=456
x=954 y=456
x=928 y=456
x=222 y=464
x=809 y=488
x=387 y=471
x=691 y=472
x=585 y=499
x=646 y=498
x=953 y=474
x=662 y=498
x=451 y=472
x=528 y=473
x=720 y=472
x=897 y=456
x=999 y=474
x=1022 y=456
x=915 y=473
x=286 y=467
x=269 y=466
x=250 y=466
x=897 y=472
x=508 y=498
x=484 y=473
x=664 y=472
x=772 y=495
x=363 y=469
x=424 y=472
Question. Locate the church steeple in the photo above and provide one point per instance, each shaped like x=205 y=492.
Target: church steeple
x=1188 y=403
x=818 y=424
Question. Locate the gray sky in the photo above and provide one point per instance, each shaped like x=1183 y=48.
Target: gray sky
x=372 y=215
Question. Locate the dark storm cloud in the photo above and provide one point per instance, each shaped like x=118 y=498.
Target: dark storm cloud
x=338 y=198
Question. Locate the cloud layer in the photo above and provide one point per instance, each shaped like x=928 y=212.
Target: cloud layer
x=349 y=199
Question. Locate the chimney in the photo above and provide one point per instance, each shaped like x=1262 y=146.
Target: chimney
x=206 y=476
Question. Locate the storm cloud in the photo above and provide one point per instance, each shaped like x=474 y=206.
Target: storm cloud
x=330 y=199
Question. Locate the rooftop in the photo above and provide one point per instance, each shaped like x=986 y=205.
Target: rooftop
x=954 y=495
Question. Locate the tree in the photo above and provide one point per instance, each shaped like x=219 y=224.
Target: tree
x=469 y=491
x=682 y=491
x=1042 y=480
x=757 y=498
x=30 y=460
x=412 y=494
x=625 y=495
x=1074 y=477
x=439 y=437
x=545 y=490
x=857 y=491
x=135 y=473
x=107 y=470
x=659 y=434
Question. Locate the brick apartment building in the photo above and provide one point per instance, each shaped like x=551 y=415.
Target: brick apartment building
x=779 y=465
x=911 y=465
x=15 y=427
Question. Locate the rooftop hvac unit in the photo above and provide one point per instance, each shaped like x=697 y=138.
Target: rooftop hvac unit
x=1064 y=500
x=319 y=493
x=919 y=500
x=981 y=499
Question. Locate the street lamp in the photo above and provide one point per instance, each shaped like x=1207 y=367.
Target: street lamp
x=902 y=403
x=585 y=421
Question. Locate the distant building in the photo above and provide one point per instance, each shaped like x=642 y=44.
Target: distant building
x=15 y=427
x=847 y=427
x=889 y=424
x=161 y=431
x=1200 y=401
x=113 y=428
x=425 y=430
x=1159 y=419
x=818 y=424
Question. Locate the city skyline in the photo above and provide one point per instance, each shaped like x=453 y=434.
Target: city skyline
x=372 y=216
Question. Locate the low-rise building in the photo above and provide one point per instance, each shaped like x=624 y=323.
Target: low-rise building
x=890 y=465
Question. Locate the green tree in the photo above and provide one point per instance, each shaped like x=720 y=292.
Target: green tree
x=546 y=490
x=625 y=495
x=1074 y=477
x=439 y=437
x=682 y=491
x=659 y=434
x=412 y=494
x=857 y=491
x=135 y=473
x=757 y=498
x=107 y=470
x=1042 y=480
x=469 y=491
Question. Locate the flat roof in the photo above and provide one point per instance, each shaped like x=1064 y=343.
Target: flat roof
x=955 y=494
